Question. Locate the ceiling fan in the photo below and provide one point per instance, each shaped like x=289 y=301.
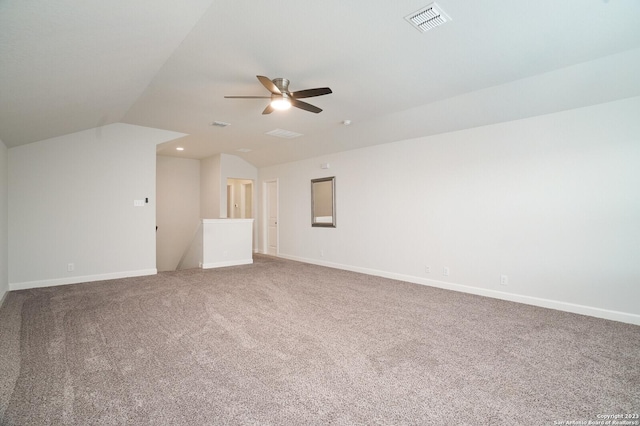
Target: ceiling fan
x=282 y=98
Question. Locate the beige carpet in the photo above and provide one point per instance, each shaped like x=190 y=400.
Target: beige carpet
x=285 y=343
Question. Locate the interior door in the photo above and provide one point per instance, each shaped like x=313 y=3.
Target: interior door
x=272 y=217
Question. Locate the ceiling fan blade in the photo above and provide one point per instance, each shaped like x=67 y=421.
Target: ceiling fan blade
x=266 y=82
x=248 y=97
x=268 y=110
x=305 y=106
x=309 y=93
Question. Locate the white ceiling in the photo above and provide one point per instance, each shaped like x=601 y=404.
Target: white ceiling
x=72 y=65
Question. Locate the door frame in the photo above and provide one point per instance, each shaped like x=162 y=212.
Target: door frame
x=265 y=215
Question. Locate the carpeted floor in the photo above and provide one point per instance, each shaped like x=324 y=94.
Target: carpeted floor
x=286 y=343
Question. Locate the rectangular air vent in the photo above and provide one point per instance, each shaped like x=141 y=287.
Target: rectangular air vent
x=279 y=133
x=428 y=17
x=220 y=124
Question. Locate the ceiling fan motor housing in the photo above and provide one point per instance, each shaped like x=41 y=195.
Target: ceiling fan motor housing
x=282 y=84
x=284 y=95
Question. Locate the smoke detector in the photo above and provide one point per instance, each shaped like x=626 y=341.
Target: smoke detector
x=428 y=17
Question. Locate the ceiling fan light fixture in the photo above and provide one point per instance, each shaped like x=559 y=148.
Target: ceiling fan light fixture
x=281 y=103
x=282 y=98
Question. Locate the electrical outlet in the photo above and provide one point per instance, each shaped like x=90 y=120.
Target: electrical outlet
x=427 y=269
x=504 y=280
x=445 y=271
x=321 y=253
x=71 y=267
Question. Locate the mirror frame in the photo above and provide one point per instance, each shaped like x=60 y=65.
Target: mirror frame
x=314 y=221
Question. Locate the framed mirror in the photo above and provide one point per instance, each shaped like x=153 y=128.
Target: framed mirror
x=323 y=202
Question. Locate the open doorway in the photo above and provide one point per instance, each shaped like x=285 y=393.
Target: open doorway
x=239 y=198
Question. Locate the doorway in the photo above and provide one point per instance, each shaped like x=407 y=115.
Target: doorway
x=239 y=198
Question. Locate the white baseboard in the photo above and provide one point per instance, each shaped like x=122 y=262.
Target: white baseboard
x=227 y=263
x=512 y=297
x=81 y=279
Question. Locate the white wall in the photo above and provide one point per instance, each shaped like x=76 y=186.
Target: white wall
x=551 y=201
x=4 y=222
x=177 y=209
x=71 y=201
x=210 y=184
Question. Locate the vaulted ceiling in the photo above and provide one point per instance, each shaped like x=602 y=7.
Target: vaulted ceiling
x=72 y=65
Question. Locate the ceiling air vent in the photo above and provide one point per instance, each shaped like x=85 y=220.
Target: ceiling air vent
x=287 y=134
x=428 y=17
x=220 y=124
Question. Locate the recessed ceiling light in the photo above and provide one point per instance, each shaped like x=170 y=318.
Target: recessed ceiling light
x=243 y=150
x=179 y=148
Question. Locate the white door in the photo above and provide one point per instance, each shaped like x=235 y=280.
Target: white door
x=272 y=217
